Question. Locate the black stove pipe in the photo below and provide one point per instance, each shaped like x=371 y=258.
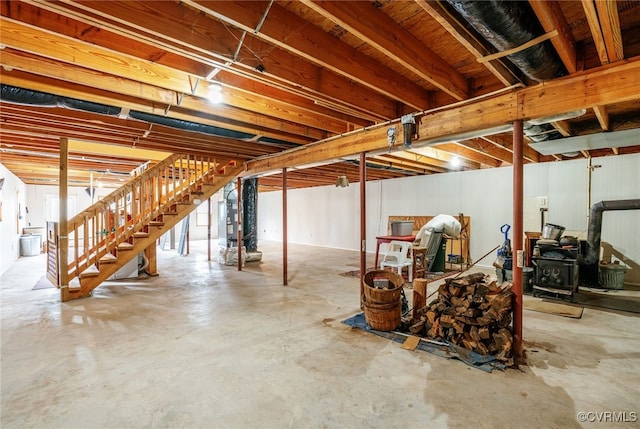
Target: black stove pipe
x=595 y=226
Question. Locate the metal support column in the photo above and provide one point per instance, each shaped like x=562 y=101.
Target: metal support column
x=517 y=238
x=285 y=276
x=363 y=223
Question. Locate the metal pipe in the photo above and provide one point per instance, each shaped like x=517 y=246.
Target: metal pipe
x=363 y=223
x=240 y=231
x=595 y=226
x=517 y=237
x=285 y=276
x=209 y=229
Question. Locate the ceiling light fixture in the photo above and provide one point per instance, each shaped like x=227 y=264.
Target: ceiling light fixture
x=342 y=182
x=215 y=93
x=455 y=162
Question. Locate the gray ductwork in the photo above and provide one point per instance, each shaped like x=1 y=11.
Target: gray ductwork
x=506 y=25
x=592 y=254
x=16 y=95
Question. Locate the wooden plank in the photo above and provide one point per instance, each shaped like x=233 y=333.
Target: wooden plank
x=596 y=31
x=551 y=17
x=610 y=26
x=467 y=39
x=195 y=47
x=603 y=116
x=522 y=47
x=238 y=105
x=419 y=295
x=610 y=84
x=365 y=21
x=290 y=32
x=463 y=151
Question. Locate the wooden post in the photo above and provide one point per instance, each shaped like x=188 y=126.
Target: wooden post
x=240 y=232
x=363 y=224
x=63 y=241
x=516 y=245
x=151 y=254
x=419 y=295
x=285 y=276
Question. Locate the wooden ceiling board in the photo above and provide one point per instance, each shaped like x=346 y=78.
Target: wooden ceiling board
x=296 y=77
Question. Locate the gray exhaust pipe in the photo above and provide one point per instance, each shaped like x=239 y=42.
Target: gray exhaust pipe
x=595 y=226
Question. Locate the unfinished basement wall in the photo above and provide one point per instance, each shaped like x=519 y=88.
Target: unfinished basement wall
x=12 y=217
x=329 y=216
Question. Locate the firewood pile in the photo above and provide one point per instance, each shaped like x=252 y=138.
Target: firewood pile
x=473 y=312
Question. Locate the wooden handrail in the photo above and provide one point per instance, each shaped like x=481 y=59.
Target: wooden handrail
x=102 y=227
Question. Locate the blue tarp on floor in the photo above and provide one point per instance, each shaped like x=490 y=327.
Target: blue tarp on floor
x=444 y=349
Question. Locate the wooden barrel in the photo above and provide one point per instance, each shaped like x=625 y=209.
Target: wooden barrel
x=374 y=295
x=383 y=317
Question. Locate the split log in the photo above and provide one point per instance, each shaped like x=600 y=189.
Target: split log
x=419 y=296
x=473 y=312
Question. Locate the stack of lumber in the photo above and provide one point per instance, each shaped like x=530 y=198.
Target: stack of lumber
x=473 y=312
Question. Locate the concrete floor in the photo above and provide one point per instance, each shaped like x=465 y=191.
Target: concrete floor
x=206 y=346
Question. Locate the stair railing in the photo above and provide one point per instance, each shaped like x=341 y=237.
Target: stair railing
x=105 y=225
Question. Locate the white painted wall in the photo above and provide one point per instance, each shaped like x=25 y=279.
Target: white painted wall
x=329 y=216
x=13 y=199
x=38 y=195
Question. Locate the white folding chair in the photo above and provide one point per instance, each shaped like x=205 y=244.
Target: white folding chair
x=397 y=254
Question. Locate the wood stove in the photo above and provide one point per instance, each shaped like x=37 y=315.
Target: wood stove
x=556 y=269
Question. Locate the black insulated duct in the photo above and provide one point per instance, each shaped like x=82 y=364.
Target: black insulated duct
x=594 y=229
x=15 y=95
x=509 y=24
x=190 y=126
x=12 y=94
x=250 y=214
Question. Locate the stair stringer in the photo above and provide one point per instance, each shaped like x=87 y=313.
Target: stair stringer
x=170 y=219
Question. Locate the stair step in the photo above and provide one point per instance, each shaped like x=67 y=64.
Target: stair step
x=140 y=234
x=170 y=213
x=125 y=246
x=92 y=271
x=74 y=285
x=108 y=259
x=156 y=223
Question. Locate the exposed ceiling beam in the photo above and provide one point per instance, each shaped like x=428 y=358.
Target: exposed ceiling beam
x=551 y=17
x=290 y=32
x=290 y=131
x=603 y=116
x=596 y=30
x=467 y=39
x=610 y=84
x=563 y=127
x=398 y=162
x=506 y=142
x=610 y=25
x=196 y=45
x=479 y=156
x=157 y=79
x=376 y=29
x=486 y=148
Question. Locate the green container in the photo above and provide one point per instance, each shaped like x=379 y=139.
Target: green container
x=438 y=262
x=527 y=277
x=611 y=276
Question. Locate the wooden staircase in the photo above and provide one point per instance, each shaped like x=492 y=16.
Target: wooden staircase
x=108 y=234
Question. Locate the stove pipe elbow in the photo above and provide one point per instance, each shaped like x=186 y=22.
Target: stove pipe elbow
x=595 y=225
